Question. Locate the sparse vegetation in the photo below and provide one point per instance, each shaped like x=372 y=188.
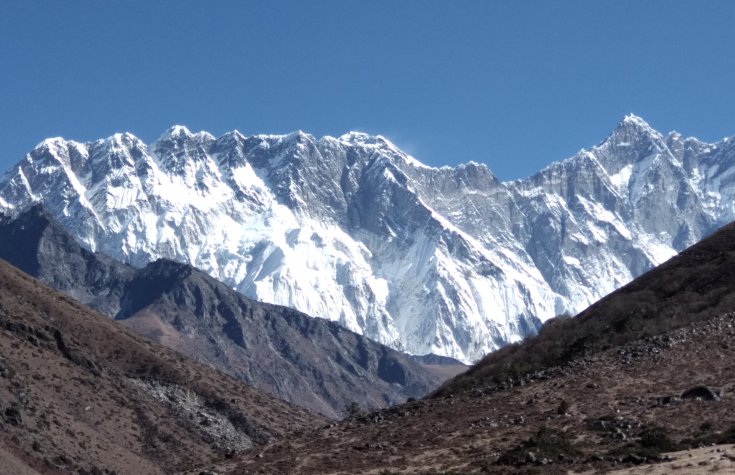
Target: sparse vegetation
x=546 y=446
x=657 y=439
x=709 y=436
x=353 y=409
x=652 y=443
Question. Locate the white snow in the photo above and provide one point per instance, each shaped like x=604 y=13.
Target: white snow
x=621 y=179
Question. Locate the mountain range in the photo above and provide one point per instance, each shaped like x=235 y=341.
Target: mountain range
x=640 y=382
x=450 y=261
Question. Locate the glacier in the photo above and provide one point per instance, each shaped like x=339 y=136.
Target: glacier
x=450 y=261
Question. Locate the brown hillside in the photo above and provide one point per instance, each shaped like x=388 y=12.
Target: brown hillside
x=79 y=393
x=617 y=409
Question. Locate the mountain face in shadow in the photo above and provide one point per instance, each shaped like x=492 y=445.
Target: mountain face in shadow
x=311 y=362
x=36 y=244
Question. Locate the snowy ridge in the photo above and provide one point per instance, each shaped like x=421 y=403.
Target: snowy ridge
x=444 y=260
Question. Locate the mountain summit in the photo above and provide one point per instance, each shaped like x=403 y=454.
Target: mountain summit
x=448 y=261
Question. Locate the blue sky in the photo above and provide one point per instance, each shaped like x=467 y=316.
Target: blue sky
x=513 y=84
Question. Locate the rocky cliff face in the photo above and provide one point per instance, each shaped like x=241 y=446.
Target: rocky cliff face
x=311 y=362
x=448 y=261
x=35 y=243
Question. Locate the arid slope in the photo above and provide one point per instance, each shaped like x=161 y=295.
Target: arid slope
x=79 y=393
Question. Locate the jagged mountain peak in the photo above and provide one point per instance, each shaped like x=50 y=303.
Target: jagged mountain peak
x=473 y=167
x=175 y=132
x=58 y=149
x=57 y=144
x=232 y=135
x=633 y=140
x=180 y=133
x=123 y=139
x=632 y=123
x=632 y=131
x=299 y=135
x=50 y=143
x=178 y=130
x=635 y=120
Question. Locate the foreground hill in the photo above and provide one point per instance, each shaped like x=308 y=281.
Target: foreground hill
x=653 y=374
x=80 y=393
x=450 y=261
x=311 y=362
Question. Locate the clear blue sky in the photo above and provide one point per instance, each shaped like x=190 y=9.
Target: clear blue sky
x=513 y=84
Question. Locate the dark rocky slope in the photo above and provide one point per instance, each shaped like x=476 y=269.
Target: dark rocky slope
x=311 y=362
x=80 y=393
x=36 y=244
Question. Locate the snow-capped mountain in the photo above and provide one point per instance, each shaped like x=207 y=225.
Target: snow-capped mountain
x=449 y=261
